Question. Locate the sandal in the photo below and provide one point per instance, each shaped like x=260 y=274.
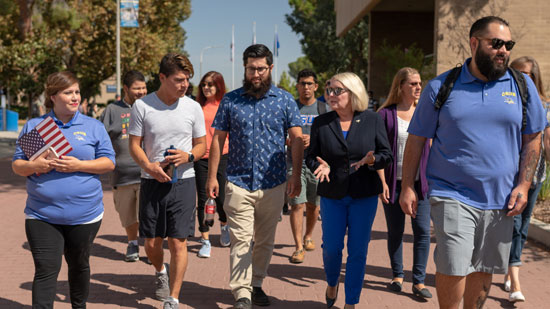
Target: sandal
x=309 y=245
x=298 y=256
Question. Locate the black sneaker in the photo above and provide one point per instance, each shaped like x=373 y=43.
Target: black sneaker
x=243 y=303
x=259 y=298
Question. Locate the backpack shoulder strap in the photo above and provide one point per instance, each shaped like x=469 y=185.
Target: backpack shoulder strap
x=321 y=107
x=523 y=94
x=447 y=86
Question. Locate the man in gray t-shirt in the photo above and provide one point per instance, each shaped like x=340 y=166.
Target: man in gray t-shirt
x=167 y=135
x=125 y=179
x=309 y=109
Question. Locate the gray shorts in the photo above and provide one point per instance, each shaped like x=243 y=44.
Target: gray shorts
x=309 y=188
x=469 y=239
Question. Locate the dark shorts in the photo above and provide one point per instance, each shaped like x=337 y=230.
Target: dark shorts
x=166 y=209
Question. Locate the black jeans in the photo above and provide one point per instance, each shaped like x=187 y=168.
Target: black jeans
x=201 y=175
x=48 y=243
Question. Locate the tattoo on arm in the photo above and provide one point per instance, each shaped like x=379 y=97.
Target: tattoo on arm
x=530 y=155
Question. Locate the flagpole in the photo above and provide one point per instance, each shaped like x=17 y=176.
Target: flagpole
x=254 y=33
x=276 y=53
x=233 y=57
x=118 y=47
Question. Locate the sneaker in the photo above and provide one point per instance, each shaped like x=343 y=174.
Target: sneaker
x=162 y=284
x=132 y=253
x=309 y=245
x=204 y=252
x=225 y=239
x=507 y=285
x=243 y=303
x=298 y=256
x=516 y=296
x=259 y=298
x=170 y=304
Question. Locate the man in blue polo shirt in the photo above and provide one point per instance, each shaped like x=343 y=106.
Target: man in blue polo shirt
x=480 y=167
x=257 y=118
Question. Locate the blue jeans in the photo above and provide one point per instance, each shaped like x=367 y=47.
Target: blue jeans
x=356 y=216
x=395 y=221
x=521 y=226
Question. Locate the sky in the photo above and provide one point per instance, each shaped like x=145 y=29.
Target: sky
x=210 y=25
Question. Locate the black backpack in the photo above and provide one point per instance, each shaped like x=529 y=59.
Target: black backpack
x=448 y=84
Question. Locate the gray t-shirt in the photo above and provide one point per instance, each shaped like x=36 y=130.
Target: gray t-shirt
x=161 y=125
x=307 y=114
x=116 y=119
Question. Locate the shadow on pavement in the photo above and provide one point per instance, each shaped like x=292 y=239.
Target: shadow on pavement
x=297 y=275
x=6 y=303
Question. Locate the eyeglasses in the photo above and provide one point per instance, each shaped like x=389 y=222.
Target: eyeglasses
x=260 y=70
x=209 y=84
x=498 y=43
x=306 y=84
x=336 y=91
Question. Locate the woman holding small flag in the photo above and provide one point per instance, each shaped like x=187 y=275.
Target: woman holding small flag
x=62 y=155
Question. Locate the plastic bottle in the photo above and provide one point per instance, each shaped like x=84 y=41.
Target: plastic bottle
x=171 y=169
x=209 y=211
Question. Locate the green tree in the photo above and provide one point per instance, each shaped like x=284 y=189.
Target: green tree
x=315 y=20
x=79 y=36
x=287 y=84
x=295 y=67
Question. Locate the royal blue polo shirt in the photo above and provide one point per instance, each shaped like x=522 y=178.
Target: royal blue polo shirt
x=257 y=133
x=69 y=198
x=477 y=137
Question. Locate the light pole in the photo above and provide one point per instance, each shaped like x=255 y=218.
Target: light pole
x=202 y=52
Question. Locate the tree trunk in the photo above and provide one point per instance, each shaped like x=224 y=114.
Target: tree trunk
x=25 y=18
x=29 y=112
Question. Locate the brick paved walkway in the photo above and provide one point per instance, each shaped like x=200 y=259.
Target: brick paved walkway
x=118 y=284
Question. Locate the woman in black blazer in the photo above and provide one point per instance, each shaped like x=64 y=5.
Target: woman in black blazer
x=347 y=146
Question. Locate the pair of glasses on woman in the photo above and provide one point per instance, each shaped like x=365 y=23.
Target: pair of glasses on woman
x=336 y=91
x=209 y=84
x=498 y=43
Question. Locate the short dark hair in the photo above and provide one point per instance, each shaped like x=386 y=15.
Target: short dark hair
x=480 y=25
x=306 y=73
x=173 y=62
x=258 y=51
x=131 y=77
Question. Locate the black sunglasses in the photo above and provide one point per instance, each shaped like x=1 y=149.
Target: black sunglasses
x=498 y=43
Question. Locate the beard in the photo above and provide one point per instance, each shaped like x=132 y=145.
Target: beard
x=259 y=91
x=488 y=67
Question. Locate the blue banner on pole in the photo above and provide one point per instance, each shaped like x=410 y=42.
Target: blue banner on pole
x=129 y=13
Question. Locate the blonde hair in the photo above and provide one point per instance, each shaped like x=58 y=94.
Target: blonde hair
x=359 y=96
x=536 y=76
x=394 y=96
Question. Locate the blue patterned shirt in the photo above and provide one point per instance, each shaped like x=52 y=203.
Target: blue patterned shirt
x=257 y=132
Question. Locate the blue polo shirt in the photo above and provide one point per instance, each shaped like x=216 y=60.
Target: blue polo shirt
x=477 y=137
x=257 y=132
x=69 y=198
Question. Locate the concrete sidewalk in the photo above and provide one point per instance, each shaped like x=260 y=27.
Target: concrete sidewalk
x=116 y=284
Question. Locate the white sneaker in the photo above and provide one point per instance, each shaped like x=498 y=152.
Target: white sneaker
x=507 y=285
x=204 y=251
x=516 y=296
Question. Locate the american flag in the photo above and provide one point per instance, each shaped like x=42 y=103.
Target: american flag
x=44 y=136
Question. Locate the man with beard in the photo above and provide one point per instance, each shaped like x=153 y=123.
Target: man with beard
x=480 y=166
x=126 y=176
x=257 y=118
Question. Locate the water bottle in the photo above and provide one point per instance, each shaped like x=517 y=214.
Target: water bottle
x=171 y=169
x=209 y=211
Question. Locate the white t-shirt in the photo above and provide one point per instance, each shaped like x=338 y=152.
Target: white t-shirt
x=161 y=126
x=402 y=135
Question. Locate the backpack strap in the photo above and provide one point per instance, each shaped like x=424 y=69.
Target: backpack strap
x=321 y=107
x=447 y=86
x=519 y=78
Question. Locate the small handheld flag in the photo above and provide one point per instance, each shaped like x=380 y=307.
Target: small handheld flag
x=46 y=135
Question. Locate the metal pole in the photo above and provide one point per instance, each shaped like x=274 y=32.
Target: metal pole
x=4 y=112
x=233 y=57
x=201 y=56
x=118 y=47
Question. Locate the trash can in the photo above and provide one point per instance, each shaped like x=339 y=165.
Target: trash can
x=11 y=123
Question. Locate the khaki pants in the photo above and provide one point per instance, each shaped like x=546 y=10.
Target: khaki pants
x=126 y=200
x=251 y=213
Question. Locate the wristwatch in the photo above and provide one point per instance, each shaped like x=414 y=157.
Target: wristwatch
x=191 y=157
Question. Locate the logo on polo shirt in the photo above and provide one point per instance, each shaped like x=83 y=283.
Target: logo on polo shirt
x=509 y=97
x=79 y=135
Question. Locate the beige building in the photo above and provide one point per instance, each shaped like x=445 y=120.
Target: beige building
x=441 y=27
